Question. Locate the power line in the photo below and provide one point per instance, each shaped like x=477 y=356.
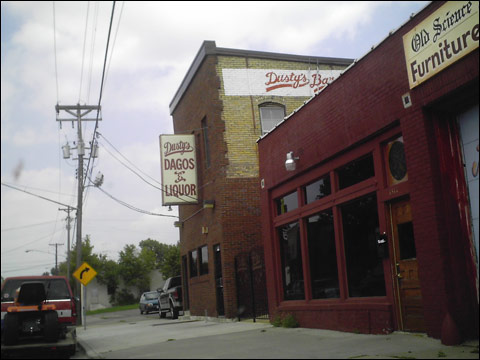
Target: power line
x=101 y=87
x=41 y=197
x=131 y=207
x=55 y=47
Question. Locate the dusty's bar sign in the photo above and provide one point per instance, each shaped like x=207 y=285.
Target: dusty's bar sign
x=262 y=82
x=447 y=35
x=179 y=169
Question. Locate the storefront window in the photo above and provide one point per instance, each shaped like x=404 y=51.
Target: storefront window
x=203 y=262
x=193 y=263
x=355 y=172
x=318 y=190
x=292 y=271
x=323 y=256
x=287 y=203
x=364 y=267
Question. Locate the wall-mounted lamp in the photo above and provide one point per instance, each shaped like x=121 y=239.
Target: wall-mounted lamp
x=290 y=163
x=208 y=204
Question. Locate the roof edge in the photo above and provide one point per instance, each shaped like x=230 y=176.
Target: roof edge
x=209 y=48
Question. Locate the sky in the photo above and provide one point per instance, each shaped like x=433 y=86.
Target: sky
x=54 y=53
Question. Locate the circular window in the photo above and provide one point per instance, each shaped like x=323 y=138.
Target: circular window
x=396 y=161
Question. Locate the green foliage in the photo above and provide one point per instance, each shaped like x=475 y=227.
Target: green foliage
x=285 y=320
x=134 y=265
x=124 y=297
x=277 y=321
x=171 y=263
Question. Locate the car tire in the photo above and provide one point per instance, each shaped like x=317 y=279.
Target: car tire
x=162 y=315
x=51 y=326
x=173 y=311
x=10 y=330
x=141 y=312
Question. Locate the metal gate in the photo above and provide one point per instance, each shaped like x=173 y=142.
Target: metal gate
x=251 y=285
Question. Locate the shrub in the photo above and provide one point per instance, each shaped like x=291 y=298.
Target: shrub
x=124 y=297
x=285 y=320
x=289 y=321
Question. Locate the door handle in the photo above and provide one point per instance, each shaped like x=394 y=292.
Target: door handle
x=399 y=275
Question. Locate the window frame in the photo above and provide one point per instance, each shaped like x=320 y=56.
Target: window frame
x=375 y=184
x=270 y=105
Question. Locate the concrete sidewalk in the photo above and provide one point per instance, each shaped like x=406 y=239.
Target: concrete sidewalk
x=201 y=339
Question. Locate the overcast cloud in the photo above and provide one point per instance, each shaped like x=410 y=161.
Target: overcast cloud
x=152 y=46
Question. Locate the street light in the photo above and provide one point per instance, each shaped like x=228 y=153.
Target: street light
x=45 y=252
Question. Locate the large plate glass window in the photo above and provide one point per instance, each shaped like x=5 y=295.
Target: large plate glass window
x=292 y=271
x=323 y=256
x=360 y=229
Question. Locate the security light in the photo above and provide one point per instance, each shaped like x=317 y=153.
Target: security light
x=290 y=163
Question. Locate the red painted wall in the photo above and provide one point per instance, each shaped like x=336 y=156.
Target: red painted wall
x=363 y=101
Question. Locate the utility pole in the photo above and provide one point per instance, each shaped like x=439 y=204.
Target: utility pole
x=56 y=257
x=68 y=209
x=78 y=112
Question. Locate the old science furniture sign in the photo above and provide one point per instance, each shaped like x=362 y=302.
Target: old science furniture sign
x=179 y=169
x=444 y=37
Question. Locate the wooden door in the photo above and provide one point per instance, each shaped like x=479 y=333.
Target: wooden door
x=409 y=294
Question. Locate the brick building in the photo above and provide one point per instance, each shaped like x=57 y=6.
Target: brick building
x=375 y=226
x=228 y=99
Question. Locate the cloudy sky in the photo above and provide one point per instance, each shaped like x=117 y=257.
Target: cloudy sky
x=53 y=53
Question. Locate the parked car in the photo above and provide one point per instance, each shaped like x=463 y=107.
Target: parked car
x=148 y=302
x=171 y=297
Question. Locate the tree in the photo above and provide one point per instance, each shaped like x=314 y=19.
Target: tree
x=135 y=266
x=107 y=270
x=158 y=249
x=171 y=263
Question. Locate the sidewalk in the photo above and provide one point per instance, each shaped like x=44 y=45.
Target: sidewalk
x=248 y=340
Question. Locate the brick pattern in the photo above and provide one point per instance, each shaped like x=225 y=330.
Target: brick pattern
x=231 y=180
x=362 y=102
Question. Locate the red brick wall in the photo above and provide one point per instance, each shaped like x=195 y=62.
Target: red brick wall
x=362 y=102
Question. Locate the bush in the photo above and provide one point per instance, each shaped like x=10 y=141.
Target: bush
x=124 y=297
x=285 y=320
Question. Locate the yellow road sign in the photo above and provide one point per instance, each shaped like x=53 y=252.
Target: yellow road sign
x=85 y=273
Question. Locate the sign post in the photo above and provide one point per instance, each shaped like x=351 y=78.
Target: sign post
x=84 y=274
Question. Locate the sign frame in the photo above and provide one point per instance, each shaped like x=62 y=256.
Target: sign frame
x=444 y=37
x=82 y=269
x=179 y=169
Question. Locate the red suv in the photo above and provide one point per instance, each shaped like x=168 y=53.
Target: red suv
x=58 y=293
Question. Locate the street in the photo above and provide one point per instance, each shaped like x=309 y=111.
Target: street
x=128 y=334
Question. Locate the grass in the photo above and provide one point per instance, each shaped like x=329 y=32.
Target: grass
x=113 y=309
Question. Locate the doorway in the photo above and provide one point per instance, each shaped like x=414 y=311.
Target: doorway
x=407 y=287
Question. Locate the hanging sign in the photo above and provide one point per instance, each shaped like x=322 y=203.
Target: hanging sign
x=179 y=169
x=444 y=37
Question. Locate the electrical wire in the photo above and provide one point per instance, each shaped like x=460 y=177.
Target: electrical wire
x=131 y=207
x=55 y=48
x=101 y=88
x=83 y=53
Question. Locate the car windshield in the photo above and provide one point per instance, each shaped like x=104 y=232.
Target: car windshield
x=151 y=296
x=56 y=289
